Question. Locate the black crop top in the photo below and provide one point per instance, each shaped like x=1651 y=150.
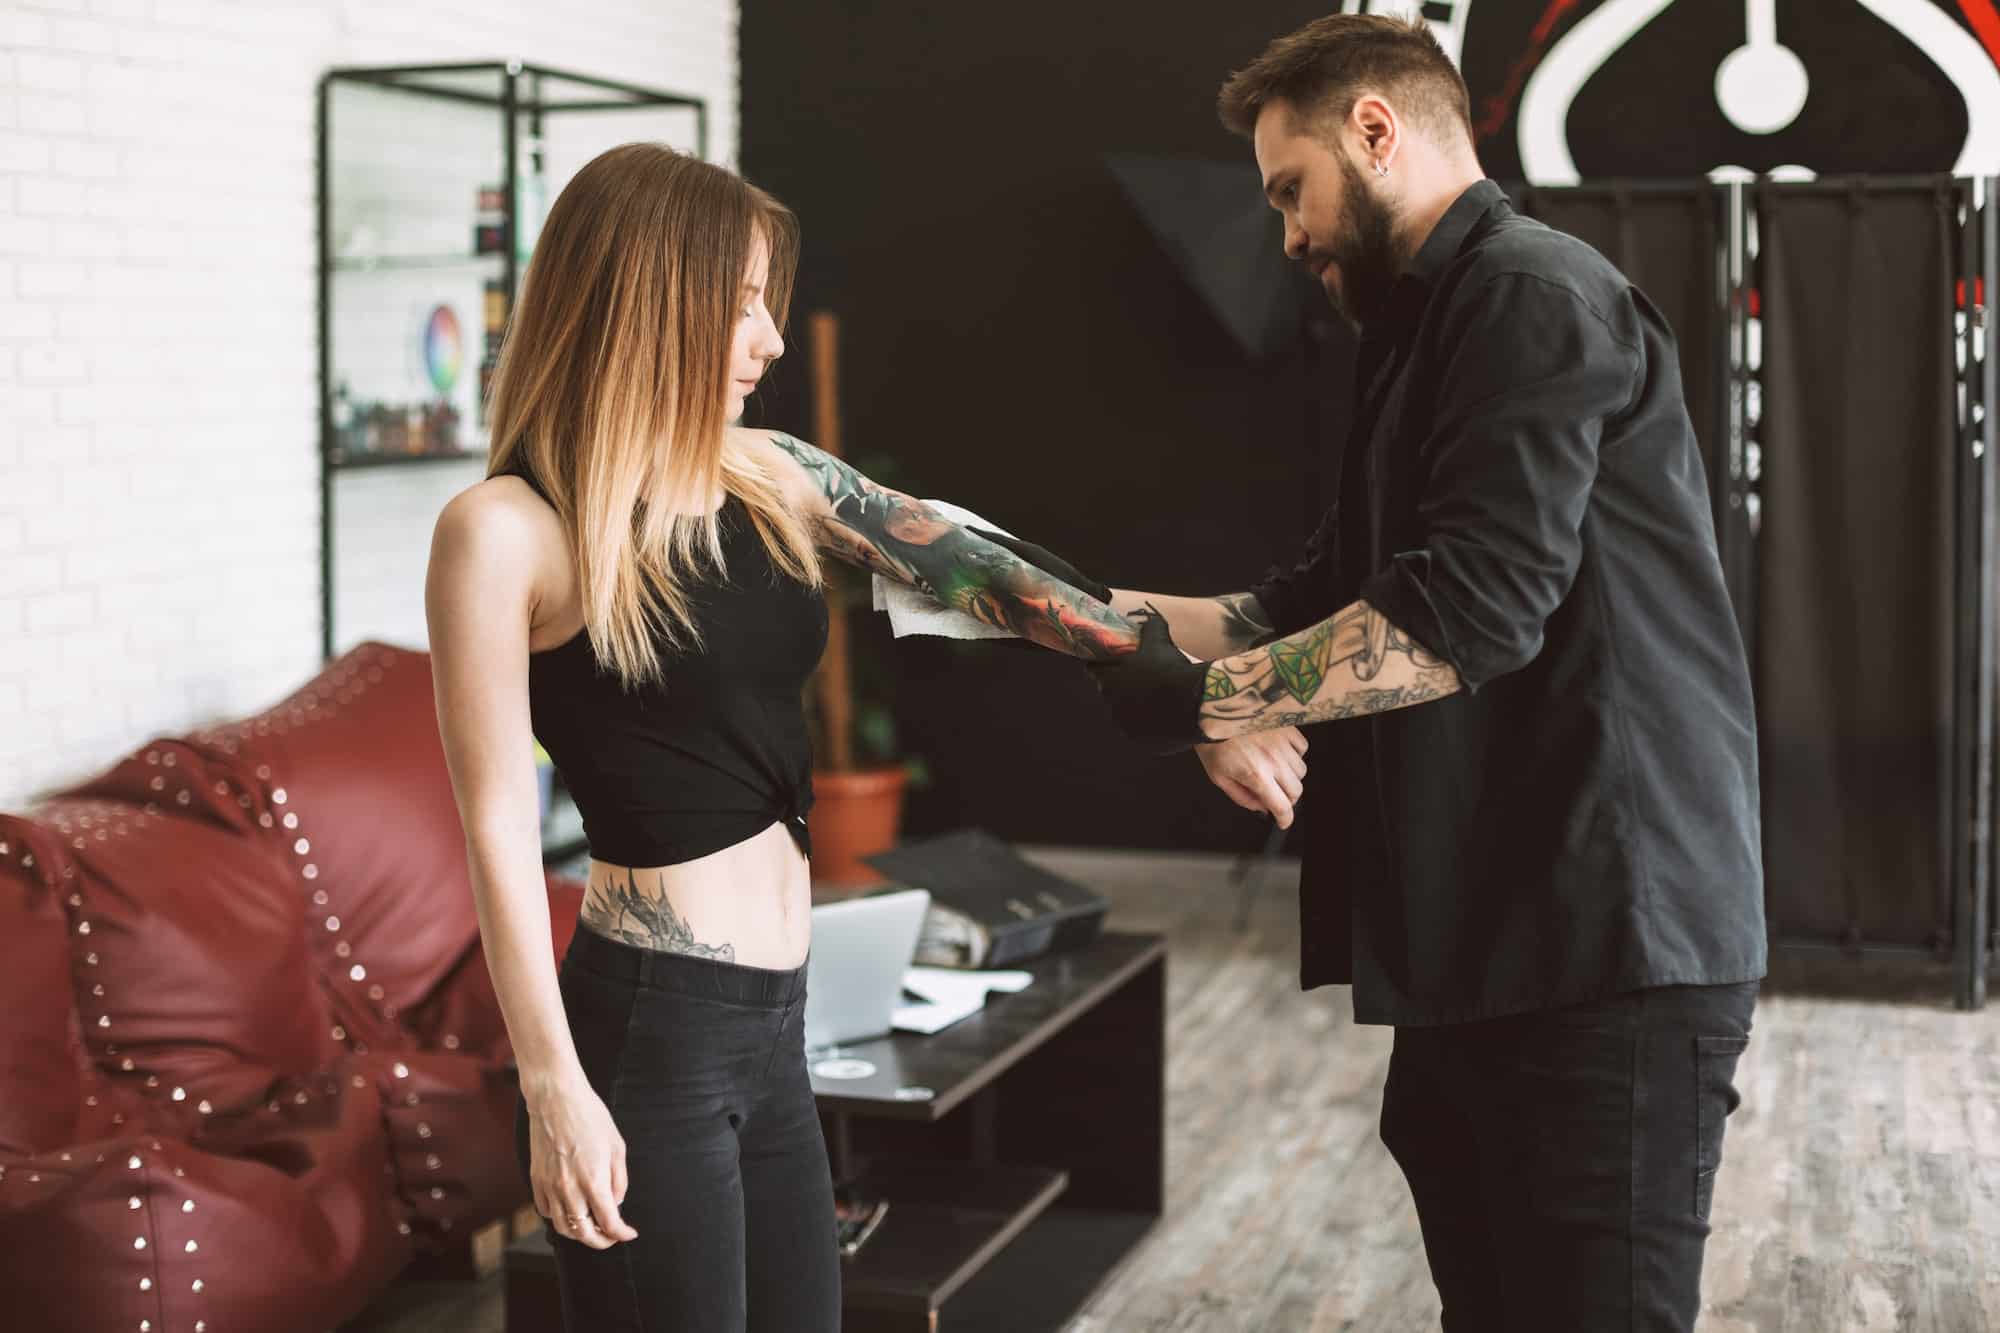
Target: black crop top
x=718 y=750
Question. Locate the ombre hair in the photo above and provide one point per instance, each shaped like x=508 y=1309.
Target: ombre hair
x=612 y=383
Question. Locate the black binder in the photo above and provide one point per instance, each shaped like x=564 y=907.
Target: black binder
x=990 y=907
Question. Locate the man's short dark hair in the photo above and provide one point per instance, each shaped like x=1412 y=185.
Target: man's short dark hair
x=1324 y=67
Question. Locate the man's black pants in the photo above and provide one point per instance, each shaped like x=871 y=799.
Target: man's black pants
x=1563 y=1162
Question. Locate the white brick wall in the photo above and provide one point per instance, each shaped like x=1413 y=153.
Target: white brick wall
x=159 y=480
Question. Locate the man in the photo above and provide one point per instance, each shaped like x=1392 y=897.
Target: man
x=1534 y=844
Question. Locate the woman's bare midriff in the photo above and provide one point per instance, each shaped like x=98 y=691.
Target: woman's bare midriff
x=749 y=904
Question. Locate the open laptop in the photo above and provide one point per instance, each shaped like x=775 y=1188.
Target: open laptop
x=854 y=975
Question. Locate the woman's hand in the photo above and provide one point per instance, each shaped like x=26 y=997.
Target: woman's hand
x=577 y=1165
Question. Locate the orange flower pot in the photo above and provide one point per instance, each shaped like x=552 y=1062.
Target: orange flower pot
x=854 y=814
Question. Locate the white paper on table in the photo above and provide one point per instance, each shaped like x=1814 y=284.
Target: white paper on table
x=950 y=994
x=914 y=612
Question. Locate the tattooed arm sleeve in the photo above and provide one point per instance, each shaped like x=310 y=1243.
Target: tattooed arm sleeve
x=1351 y=665
x=899 y=537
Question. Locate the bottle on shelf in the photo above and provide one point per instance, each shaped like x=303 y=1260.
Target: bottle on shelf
x=489 y=223
x=495 y=321
x=441 y=427
x=347 y=438
x=495 y=327
x=388 y=430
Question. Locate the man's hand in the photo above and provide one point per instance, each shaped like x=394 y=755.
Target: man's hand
x=1047 y=561
x=1263 y=770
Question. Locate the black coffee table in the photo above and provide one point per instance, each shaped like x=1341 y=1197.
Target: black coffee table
x=1021 y=1151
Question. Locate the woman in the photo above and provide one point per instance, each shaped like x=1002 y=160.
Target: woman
x=637 y=585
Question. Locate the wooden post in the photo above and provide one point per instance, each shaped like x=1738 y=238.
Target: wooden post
x=836 y=700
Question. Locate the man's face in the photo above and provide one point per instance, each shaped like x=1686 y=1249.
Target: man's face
x=1336 y=221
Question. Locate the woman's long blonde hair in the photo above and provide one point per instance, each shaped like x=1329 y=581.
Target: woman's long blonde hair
x=612 y=381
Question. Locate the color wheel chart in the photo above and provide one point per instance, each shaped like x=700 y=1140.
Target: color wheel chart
x=444 y=349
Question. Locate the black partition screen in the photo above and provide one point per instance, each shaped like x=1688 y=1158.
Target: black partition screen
x=1832 y=344
x=1856 y=561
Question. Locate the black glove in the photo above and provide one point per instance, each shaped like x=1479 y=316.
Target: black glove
x=1155 y=693
x=1048 y=563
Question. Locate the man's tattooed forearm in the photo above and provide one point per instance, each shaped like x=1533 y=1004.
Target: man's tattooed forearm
x=894 y=535
x=622 y=912
x=1324 y=673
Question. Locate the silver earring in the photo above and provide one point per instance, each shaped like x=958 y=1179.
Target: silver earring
x=1381 y=168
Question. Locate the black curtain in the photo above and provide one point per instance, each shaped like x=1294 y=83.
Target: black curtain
x=1856 y=628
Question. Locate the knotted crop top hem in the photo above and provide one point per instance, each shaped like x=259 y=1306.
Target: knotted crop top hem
x=724 y=834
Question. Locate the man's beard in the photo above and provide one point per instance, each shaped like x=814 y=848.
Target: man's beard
x=1365 y=252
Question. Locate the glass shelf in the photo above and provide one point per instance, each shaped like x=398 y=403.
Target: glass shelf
x=537 y=88
x=343 y=461
x=395 y=263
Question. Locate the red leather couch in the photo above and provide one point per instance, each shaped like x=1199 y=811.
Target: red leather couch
x=251 y=1061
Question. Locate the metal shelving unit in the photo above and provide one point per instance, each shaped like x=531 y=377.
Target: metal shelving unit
x=526 y=102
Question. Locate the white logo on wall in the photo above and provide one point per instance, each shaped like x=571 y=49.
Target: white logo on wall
x=1446 y=17
x=1761 y=86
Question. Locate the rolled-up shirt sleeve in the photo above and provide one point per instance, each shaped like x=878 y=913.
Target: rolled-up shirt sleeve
x=1308 y=591
x=1505 y=475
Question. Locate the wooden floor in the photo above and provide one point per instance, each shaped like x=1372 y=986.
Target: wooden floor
x=1860 y=1188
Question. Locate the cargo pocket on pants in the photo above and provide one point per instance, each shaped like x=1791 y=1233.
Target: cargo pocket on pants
x=1715 y=1096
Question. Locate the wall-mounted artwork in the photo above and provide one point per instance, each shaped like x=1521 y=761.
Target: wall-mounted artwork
x=1569 y=90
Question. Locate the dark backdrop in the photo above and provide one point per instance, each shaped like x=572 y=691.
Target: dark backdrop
x=1014 y=339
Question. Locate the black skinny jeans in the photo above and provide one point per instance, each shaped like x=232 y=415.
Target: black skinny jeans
x=702 y=1065
x=1563 y=1162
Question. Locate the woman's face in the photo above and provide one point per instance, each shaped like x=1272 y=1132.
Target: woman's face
x=756 y=344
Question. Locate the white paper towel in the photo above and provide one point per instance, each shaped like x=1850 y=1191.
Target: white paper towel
x=914 y=612
x=950 y=995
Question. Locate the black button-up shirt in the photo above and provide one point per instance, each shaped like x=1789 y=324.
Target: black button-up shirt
x=1522 y=494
